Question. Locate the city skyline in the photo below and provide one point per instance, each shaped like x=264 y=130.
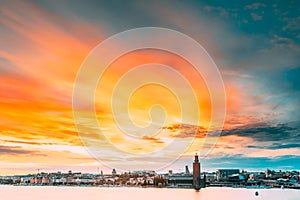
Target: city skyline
x=235 y=178
x=182 y=170
x=255 y=46
x=197 y=179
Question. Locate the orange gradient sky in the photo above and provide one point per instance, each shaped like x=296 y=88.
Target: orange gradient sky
x=42 y=48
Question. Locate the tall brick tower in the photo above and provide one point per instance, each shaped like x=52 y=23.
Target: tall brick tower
x=196 y=173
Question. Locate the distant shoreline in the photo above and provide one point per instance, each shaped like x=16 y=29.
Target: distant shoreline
x=147 y=187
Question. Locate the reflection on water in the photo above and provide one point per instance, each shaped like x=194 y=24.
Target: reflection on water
x=74 y=193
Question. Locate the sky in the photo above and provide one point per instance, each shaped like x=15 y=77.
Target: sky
x=43 y=44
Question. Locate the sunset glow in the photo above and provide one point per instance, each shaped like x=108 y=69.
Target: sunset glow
x=44 y=44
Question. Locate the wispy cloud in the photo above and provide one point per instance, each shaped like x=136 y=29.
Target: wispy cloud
x=153 y=139
x=186 y=131
x=17 y=150
x=254 y=6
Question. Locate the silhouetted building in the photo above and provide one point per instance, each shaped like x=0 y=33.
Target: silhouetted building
x=224 y=174
x=114 y=172
x=196 y=173
x=185 y=181
x=187 y=171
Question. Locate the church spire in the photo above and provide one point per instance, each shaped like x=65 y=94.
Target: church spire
x=196 y=158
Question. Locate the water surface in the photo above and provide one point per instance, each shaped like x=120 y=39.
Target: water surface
x=100 y=193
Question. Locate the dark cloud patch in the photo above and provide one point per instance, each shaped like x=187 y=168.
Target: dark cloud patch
x=283 y=135
x=16 y=150
x=267 y=136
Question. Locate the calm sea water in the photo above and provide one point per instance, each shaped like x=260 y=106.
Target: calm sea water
x=87 y=193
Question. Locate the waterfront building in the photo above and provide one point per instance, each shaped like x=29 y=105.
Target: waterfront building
x=180 y=181
x=210 y=177
x=25 y=179
x=45 y=180
x=269 y=173
x=70 y=180
x=114 y=172
x=16 y=179
x=238 y=178
x=224 y=174
x=32 y=180
x=196 y=173
x=160 y=181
